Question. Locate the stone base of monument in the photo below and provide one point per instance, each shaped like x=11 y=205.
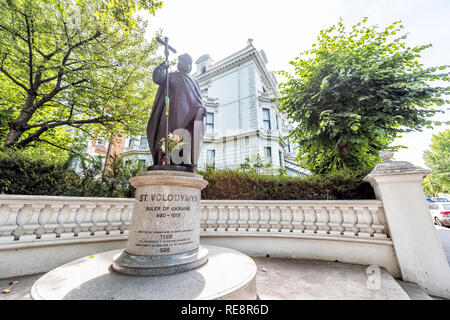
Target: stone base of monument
x=164 y=234
x=136 y=265
x=228 y=274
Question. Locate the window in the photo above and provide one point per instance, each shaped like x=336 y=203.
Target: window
x=266 y=119
x=132 y=142
x=288 y=145
x=278 y=123
x=143 y=142
x=203 y=70
x=210 y=122
x=205 y=92
x=268 y=154
x=247 y=147
x=101 y=142
x=433 y=206
x=280 y=158
x=210 y=158
x=142 y=163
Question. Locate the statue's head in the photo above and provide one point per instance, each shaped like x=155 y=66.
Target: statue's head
x=184 y=63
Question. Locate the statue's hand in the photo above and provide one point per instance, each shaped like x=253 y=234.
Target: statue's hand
x=165 y=64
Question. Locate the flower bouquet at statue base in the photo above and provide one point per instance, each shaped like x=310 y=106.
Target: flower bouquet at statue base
x=175 y=141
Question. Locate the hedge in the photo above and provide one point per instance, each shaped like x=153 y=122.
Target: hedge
x=238 y=185
x=20 y=174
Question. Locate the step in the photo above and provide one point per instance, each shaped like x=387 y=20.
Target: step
x=293 y=279
x=414 y=291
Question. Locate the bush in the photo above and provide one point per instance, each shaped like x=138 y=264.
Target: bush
x=22 y=174
x=95 y=181
x=238 y=185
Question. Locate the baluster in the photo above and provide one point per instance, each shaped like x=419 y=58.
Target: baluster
x=233 y=224
x=83 y=219
x=286 y=219
x=27 y=220
x=125 y=219
x=203 y=218
x=298 y=219
x=265 y=219
x=322 y=220
x=99 y=220
x=69 y=222
x=211 y=223
x=8 y=221
x=377 y=224
x=222 y=221
x=244 y=216
x=79 y=218
x=48 y=219
x=349 y=222
x=364 y=222
x=113 y=219
x=310 y=220
x=382 y=219
x=335 y=221
x=63 y=216
x=275 y=219
x=253 y=220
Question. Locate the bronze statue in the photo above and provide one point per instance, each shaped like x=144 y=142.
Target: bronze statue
x=185 y=110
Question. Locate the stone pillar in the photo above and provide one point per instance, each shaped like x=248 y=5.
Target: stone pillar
x=164 y=234
x=419 y=252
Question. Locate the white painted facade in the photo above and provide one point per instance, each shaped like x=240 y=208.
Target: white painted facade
x=242 y=119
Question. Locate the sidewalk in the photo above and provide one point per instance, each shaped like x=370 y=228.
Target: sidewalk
x=291 y=279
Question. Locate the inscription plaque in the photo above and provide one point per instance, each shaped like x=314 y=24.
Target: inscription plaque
x=164 y=233
x=168 y=223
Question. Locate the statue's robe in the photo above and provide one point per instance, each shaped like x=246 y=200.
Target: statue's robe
x=185 y=107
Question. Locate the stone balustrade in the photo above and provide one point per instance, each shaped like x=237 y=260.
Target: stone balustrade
x=39 y=233
x=29 y=218
x=363 y=218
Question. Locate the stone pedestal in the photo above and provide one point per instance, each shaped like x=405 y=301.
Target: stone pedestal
x=228 y=275
x=165 y=228
x=419 y=252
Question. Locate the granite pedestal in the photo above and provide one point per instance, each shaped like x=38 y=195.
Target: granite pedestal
x=228 y=274
x=165 y=228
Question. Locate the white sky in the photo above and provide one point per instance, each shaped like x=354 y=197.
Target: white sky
x=284 y=28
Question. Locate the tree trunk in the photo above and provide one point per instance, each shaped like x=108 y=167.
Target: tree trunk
x=343 y=151
x=19 y=126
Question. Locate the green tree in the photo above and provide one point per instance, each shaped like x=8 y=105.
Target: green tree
x=121 y=11
x=68 y=75
x=354 y=92
x=438 y=160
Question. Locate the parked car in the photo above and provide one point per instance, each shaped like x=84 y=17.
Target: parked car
x=440 y=211
x=434 y=200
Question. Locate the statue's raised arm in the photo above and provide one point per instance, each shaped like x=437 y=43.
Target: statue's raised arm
x=159 y=74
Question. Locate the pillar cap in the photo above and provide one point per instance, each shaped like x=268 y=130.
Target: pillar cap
x=389 y=166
